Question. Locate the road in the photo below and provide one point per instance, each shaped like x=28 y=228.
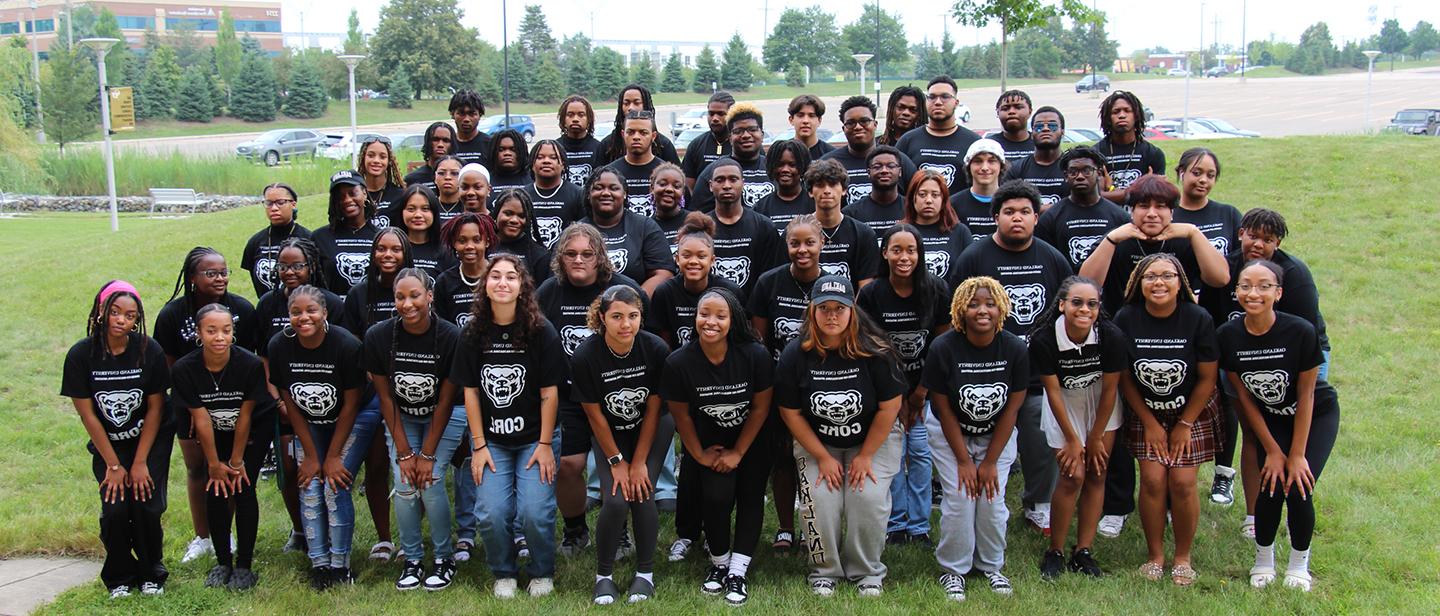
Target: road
x=1280 y=106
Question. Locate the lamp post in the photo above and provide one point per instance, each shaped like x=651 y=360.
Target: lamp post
x=35 y=53
x=351 y=60
x=1185 y=120
x=1369 y=79
x=101 y=47
x=862 y=58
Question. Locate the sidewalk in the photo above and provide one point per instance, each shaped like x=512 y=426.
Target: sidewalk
x=28 y=583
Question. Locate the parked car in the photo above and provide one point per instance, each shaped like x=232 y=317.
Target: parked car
x=494 y=124
x=962 y=113
x=407 y=141
x=823 y=133
x=682 y=141
x=1178 y=72
x=694 y=118
x=1219 y=126
x=1090 y=83
x=1083 y=134
x=1416 y=122
x=340 y=146
x=1217 y=71
x=272 y=146
x=1195 y=130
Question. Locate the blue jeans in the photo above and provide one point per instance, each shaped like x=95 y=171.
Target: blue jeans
x=513 y=491
x=329 y=515
x=910 y=490
x=1325 y=368
x=665 y=484
x=436 y=500
x=465 y=494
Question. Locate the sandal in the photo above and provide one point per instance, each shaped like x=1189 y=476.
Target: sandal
x=382 y=551
x=1261 y=577
x=1247 y=529
x=462 y=550
x=1299 y=580
x=784 y=540
x=1183 y=575
x=1152 y=571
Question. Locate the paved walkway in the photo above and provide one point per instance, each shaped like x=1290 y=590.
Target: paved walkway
x=28 y=583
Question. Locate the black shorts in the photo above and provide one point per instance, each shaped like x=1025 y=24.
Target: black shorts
x=574 y=430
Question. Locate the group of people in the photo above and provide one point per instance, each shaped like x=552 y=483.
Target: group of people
x=842 y=328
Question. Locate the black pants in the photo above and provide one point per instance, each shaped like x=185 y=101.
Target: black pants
x=610 y=524
x=246 y=507
x=741 y=492
x=1120 y=479
x=687 y=499
x=1324 y=427
x=130 y=529
x=1229 y=430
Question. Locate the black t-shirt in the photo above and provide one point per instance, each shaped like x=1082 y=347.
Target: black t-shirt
x=780 y=299
x=837 y=396
x=636 y=246
x=900 y=318
x=757 y=185
x=718 y=397
x=1014 y=150
x=222 y=394
x=565 y=306
x=272 y=315
x=1048 y=179
x=1220 y=222
x=346 y=253
x=388 y=207
x=454 y=298
x=433 y=257
x=536 y=257
x=781 y=212
x=361 y=312
x=664 y=149
x=476 y=150
x=317 y=378
x=745 y=249
x=423 y=175
x=850 y=250
x=978 y=381
x=671 y=227
x=175 y=327
x=1031 y=277
x=820 y=148
x=581 y=156
x=621 y=386
x=1300 y=298
x=501 y=181
x=672 y=309
x=417 y=365
x=943 y=155
x=974 y=213
x=858 y=184
x=702 y=151
x=942 y=249
x=1129 y=253
x=261 y=252
x=637 y=185
x=510 y=379
x=1075 y=230
x=554 y=209
x=1269 y=365
x=1165 y=353
x=1078 y=366
x=117 y=385
x=878 y=217
x=1127 y=163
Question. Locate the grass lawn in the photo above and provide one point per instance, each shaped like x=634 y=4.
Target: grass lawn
x=1380 y=66
x=1371 y=249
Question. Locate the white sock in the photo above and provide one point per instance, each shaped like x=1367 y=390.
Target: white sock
x=721 y=560
x=1265 y=556
x=599 y=577
x=1224 y=471
x=739 y=564
x=1299 y=561
x=1250 y=521
x=648 y=576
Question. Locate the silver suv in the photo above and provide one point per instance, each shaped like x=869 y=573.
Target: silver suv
x=272 y=146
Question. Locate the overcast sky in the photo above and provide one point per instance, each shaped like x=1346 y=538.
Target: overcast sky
x=1134 y=24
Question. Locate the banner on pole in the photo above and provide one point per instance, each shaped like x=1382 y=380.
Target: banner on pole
x=122 y=108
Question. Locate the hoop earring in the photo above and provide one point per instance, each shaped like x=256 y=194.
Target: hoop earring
x=327 y=326
x=288 y=331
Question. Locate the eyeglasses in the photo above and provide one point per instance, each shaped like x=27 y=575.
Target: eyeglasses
x=753 y=130
x=1076 y=302
x=1079 y=171
x=571 y=255
x=942 y=97
x=1167 y=277
x=884 y=166
x=212 y=274
x=292 y=267
x=447 y=173
x=1043 y=126
x=279 y=203
x=854 y=122
x=1264 y=287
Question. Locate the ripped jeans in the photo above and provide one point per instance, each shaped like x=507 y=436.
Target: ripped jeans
x=329 y=515
x=436 y=500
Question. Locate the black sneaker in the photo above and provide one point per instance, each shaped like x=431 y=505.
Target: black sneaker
x=1082 y=561
x=268 y=467
x=441 y=575
x=1221 y=491
x=735 y=591
x=1052 y=564
x=411 y=575
x=243 y=579
x=922 y=539
x=575 y=542
x=320 y=577
x=715 y=580
x=898 y=537
x=219 y=577
x=342 y=576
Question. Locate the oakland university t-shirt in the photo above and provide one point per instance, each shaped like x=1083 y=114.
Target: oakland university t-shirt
x=1300 y=298
x=581 y=156
x=1128 y=254
x=473 y=151
x=671 y=226
x=876 y=216
x=432 y=256
x=943 y=249
x=1220 y=222
x=637 y=184
x=222 y=394
x=1077 y=367
x=261 y=252
x=1015 y=151
x=672 y=309
x=1049 y=179
x=780 y=300
x=423 y=175
x=454 y=298
x=1030 y=277
x=745 y=249
x=1165 y=353
x=974 y=211
x=500 y=182
x=346 y=253
x=850 y=250
x=416 y=365
x=621 y=386
x=702 y=151
x=858 y=184
x=554 y=209
x=566 y=305
x=361 y=313
x=636 y=245
x=719 y=397
x=317 y=379
x=781 y=212
x=117 y=385
x=1127 y=163
x=977 y=380
x=388 y=208
x=757 y=185
x=837 y=396
x=510 y=378
x=272 y=315
x=943 y=155
x=900 y=318
x=175 y=327
x=1075 y=230
x=1269 y=365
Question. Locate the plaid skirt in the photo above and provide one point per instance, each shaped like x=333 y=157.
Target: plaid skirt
x=1204 y=437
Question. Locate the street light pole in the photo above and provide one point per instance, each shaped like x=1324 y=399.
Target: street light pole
x=505 y=43
x=35 y=53
x=350 y=61
x=102 y=46
x=1369 y=80
x=862 y=58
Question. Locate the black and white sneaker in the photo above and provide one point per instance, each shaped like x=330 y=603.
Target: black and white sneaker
x=999 y=584
x=679 y=550
x=154 y=588
x=441 y=575
x=320 y=577
x=342 y=576
x=411 y=575
x=735 y=591
x=715 y=580
x=574 y=542
x=1222 y=490
x=954 y=586
x=1052 y=564
x=120 y=592
x=1082 y=561
x=522 y=548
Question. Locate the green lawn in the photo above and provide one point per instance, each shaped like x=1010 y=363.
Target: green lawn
x=1370 y=246
x=1381 y=65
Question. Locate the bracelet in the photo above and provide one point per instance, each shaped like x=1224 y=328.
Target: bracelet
x=542 y=443
x=406 y=456
x=233 y=466
x=1186 y=423
x=1111 y=240
x=479 y=447
x=425 y=457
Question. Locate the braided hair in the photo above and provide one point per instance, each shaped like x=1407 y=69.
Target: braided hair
x=452 y=227
x=372 y=269
x=95 y=325
x=425 y=150
x=314 y=262
x=535 y=151
x=893 y=132
x=397 y=324
x=1134 y=292
x=392 y=168
x=1262 y=220
x=796 y=149
x=615 y=142
x=191 y=268
x=1106 y=126
x=589 y=112
x=1045 y=322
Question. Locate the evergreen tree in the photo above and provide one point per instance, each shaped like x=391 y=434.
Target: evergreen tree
x=69 y=94
x=575 y=56
x=674 y=79
x=228 y=54
x=609 y=68
x=194 y=104
x=253 y=98
x=795 y=75
x=160 y=85
x=219 y=99
x=707 y=71
x=307 y=97
x=548 y=85
x=427 y=38
x=949 y=60
x=735 y=73
x=1392 y=40
x=644 y=73
x=399 y=90
x=120 y=60
x=536 y=43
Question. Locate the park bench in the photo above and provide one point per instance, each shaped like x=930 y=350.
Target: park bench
x=174 y=197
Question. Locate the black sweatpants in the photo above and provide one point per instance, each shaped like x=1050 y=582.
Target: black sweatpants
x=130 y=529
x=246 y=506
x=741 y=492
x=610 y=523
x=1324 y=427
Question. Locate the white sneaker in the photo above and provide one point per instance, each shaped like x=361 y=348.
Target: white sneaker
x=198 y=548
x=151 y=588
x=1039 y=516
x=679 y=550
x=1111 y=525
x=954 y=586
x=505 y=588
x=540 y=587
x=120 y=592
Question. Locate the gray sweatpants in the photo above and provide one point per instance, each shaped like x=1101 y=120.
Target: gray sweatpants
x=862 y=515
x=1037 y=459
x=972 y=530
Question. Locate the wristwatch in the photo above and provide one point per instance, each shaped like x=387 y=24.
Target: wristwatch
x=116 y=467
x=615 y=459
